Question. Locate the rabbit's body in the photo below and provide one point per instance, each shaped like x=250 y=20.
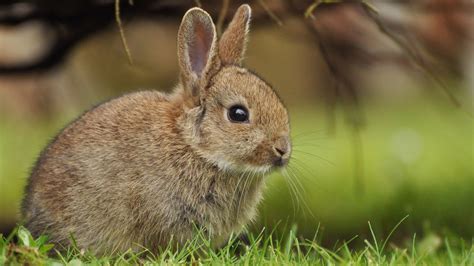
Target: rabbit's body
x=148 y=169
x=107 y=201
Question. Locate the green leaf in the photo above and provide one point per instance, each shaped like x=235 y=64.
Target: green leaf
x=3 y=250
x=45 y=248
x=41 y=240
x=25 y=237
x=290 y=239
x=75 y=262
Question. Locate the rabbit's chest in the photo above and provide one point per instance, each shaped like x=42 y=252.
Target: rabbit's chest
x=225 y=206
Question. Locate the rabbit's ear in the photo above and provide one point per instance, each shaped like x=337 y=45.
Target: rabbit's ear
x=234 y=40
x=196 y=50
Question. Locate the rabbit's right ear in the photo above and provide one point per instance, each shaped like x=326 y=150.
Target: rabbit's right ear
x=234 y=40
x=197 y=51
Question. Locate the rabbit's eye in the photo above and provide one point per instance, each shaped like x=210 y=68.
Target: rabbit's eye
x=238 y=113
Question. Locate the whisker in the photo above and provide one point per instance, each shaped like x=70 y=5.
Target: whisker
x=309 y=139
x=304 y=192
x=302 y=165
x=250 y=179
x=236 y=189
x=312 y=144
x=316 y=156
x=291 y=191
x=307 y=133
x=307 y=173
x=298 y=187
x=243 y=192
x=307 y=144
x=303 y=136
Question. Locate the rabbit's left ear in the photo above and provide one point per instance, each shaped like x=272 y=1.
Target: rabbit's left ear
x=234 y=40
x=197 y=54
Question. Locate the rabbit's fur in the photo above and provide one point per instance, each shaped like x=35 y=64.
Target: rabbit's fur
x=147 y=168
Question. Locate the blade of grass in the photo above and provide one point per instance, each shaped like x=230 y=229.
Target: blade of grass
x=392 y=231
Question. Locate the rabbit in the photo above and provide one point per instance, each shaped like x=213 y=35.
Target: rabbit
x=147 y=168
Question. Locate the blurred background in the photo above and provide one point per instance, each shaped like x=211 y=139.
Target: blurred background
x=380 y=96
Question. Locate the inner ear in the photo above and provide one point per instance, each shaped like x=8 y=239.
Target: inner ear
x=200 y=47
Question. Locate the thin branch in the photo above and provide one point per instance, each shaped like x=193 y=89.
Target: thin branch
x=70 y=27
x=270 y=13
x=416 y=59
x=352 y=110
x=308 y=13
x=122 y=32
x=222 y=15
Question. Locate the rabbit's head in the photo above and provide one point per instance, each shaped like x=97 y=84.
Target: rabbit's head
x=233 y=118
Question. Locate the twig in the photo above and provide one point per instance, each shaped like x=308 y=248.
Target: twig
x=308 y=13
x=122 y=32
x=311 y=8
x=270 y=13
x=354 y=117
x=222 y=15
x=417 y=60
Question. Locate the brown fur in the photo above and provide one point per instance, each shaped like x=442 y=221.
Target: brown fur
x=146 y=168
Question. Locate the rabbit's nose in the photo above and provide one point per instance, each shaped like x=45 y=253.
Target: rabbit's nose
x=281 y=149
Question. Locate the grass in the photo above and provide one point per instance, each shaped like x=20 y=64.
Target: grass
x=260 y=249
x=21 y=248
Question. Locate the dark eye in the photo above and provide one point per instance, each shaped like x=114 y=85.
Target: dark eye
x=238 y=113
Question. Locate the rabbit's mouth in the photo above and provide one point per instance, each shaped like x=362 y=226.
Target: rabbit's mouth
x=258 y=169
x=225 y=165
x=280 y=162
x=270 y=163
x=257 y=164
x=248 y=168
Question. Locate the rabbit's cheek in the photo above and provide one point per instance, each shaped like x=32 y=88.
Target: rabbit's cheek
x=258 y=136
x=260 y=156
x=252 y=144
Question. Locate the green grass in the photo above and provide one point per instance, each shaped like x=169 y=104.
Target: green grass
x=21 y=248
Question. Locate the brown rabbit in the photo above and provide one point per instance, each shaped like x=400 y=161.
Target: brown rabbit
x=144 y=169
